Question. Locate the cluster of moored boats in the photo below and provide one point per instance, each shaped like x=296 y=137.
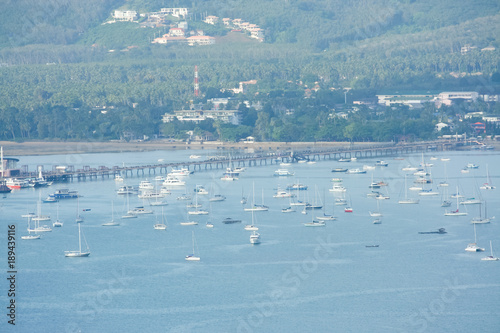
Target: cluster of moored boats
x=156 y=190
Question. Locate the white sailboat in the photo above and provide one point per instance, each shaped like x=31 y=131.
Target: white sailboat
x=188 y=222
x=297 y=202
x=255 y=207
x=79 y=218
x=252 y=226
x=57 y=223
x=30 y=236
x=111 y=223
x=193 y=256
x=314 y=223
x=456 y=212
x=407 y=200
x=490 y=257
x=376 y=213
x=40 y=218
x=161 y=225
x=480 y=219
x=128 y=214
x=325 y=216
x=197 y=211
x=472 y=247
x=488 y=185
x=78 y=253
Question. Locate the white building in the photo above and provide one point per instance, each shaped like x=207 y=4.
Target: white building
x=176 y=32
x=225 y=116
x=125 y=15
x=440 y=126
x=411 y=100
x=211 y=19
x=200 y=40
x=447 y=98
x=176 y=12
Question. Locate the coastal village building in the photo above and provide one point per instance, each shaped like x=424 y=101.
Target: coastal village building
x=167 y=39
x=176 y=12
x=125 y=15
x=197 y=115
x=176 y=32
x=417 y=100
x=200 y=40
x=211 y=19
x=447 y=98
x=410 y=100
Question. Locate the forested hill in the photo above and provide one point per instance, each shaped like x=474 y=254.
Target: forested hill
x=320 y=24
x=59 y=54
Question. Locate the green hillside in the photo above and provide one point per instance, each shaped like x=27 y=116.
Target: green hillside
x=60 y=55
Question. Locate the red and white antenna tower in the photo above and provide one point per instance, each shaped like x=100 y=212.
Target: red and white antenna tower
x=196 y=85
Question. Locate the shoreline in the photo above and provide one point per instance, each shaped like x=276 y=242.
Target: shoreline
x=39 y=148
x=34 y=148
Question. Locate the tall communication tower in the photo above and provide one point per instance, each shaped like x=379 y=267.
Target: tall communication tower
x=196 y=85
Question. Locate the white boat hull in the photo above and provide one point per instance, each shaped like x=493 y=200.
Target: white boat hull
x=76 y=254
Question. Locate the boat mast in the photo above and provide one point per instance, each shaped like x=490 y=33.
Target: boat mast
x=79 y=239
x=1 y=162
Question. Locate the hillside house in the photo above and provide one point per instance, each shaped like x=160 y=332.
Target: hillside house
x=176 y=12
x=200 y=40
x=176 y=32
x=125 y=15
x=211 y=19
x=167 y=39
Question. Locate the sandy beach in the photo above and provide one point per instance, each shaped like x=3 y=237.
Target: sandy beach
x=13 y=149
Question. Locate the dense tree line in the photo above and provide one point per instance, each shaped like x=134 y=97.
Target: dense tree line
x=59 y=67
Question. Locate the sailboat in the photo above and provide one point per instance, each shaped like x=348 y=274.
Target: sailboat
x=327 y=217
x=57 y=223
x=490 y=257
x=78 y=253
x=472 y=247
x=487 y=185
x=456 y=212
x=128 y=214
x=480 y=219
x=316 y=204
x=39 y=217
x=30 y=236
x=189 y=222
x=349 y=209
x=192 y=256
x=252 y=226
x=161 y=226
x=298 y=202
x=79 y=218
x=197 y=211
x=427 y=192
x=445 y=202
x=314 y=223
x=255 y=207
x=111 y=223
x=377 y=213
x=407 y=200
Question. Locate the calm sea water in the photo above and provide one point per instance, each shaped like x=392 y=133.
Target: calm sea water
x=298 y=279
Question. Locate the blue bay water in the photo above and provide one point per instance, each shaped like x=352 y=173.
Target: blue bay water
x=297 y=280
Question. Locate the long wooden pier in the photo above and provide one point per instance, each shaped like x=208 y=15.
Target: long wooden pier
x=69 y=173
